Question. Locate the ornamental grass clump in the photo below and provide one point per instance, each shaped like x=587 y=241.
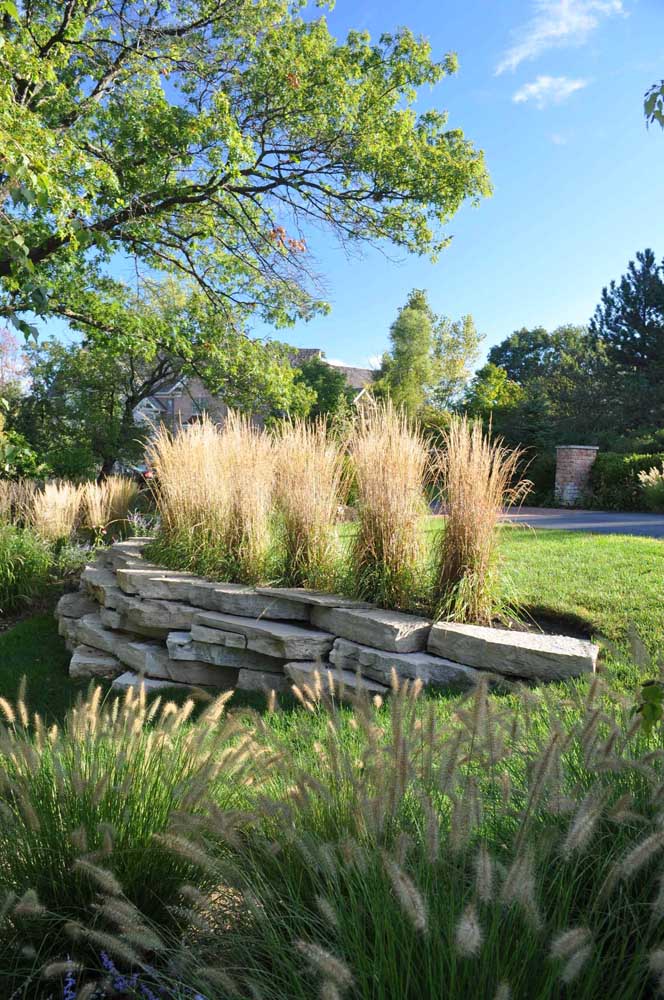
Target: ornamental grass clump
x=83 y=809
x=247 y=456
x=16 y=499
x=652 y=486
x=106 y=505
x=388 y=461
x=309 y=465
x=479 y=478
x=412 y=846
x=504 y=847
x=55 y=510
x=193 y=495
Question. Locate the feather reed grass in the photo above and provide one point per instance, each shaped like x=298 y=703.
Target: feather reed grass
x=478 y=477
x=389 y=465
x=309 y=467
x=55 y=510
x=107 y=504
x=214 y=494
x=248 y=455
x=16 y=499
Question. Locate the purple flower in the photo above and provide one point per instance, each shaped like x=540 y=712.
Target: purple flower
x=121 y=983
x=69 y=989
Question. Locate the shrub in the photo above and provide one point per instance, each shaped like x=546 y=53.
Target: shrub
x=477 y=479
x=389 y=466
x=25 y=563
x=307 y=491
x=614 y=480
x=55 y=510
x=652 y=484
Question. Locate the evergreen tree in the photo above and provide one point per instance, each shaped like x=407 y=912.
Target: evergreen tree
x=629 y=323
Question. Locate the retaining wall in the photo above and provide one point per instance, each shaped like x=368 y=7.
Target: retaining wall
x=133 y=620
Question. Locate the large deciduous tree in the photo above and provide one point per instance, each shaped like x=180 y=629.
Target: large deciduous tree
x=653 y=104
x=210 y=137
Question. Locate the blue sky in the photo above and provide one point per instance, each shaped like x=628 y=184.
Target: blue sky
x=552 y=91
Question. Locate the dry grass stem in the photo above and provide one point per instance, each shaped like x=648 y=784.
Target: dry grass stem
x=389 y=463
x=477 y=479
x=308 y=487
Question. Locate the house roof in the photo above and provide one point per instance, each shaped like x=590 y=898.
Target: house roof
x=357 y=378
x=300 y=355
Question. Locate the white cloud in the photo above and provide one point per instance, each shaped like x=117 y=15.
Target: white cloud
x=554 y=23
x=558 y=139
x=548 y=90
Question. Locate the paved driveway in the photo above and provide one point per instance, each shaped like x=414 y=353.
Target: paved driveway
x=650 y=525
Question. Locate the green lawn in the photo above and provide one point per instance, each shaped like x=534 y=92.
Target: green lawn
x=610 y=582
x=604 y=584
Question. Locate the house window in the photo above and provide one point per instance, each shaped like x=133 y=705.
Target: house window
x=200 y=405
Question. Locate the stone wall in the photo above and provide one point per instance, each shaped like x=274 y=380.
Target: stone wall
x=573 y=465
x=132 y=620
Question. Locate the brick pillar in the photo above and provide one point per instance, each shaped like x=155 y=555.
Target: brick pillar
x=573 y=465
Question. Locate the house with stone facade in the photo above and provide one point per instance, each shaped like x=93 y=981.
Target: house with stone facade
x=185 y=400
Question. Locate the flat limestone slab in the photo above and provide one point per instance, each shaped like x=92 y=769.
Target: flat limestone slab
x=390 y=630
x=318 y=598
x=133 y=680
x=68 y=629
x=279 y=639
x=217 y=636
x=75 y=605
x=520 y=654
x=158 y=664
x=114 y=620
x=110 y=618
x=239 y=599
x=101 y=584
x=182 y=647
x=88 y=662
x=378 y=665
x=134 y=652
x=261 y=680
x=164 y=585
x=331 y=679
x=127 y=552
x=155 y=614
x=91 y=632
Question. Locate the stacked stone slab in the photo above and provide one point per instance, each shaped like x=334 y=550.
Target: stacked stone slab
x=132 y=620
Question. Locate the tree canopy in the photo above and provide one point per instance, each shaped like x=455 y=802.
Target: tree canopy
x=208 y=138
x=431 y=357
x=406 y=370
x=82 y=397
x=331 y=393
x=629 y=322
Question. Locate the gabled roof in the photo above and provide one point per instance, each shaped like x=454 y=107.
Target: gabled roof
x=299 y=355
x=357 y=378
